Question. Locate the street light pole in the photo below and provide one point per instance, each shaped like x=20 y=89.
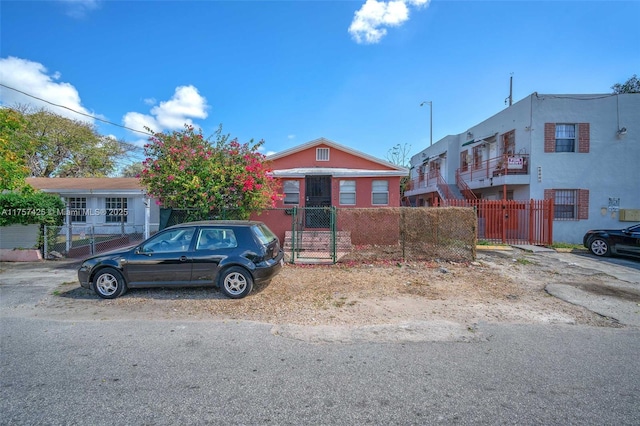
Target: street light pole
x=430 y=120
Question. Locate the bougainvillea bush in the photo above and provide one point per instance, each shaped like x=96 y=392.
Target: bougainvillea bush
x=183 y=170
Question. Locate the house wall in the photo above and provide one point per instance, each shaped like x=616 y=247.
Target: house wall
x=337 y=158
x=19 y=236
x=342 y=165
x=96 y=206
x=363 y=192
x=611 y=168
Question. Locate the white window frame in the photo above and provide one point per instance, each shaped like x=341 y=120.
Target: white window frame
x=377 y=192
x=562 y=135
x=291 y=189
x=77 y=209
x=322 y=154
x=348 y=193
x=114 y=213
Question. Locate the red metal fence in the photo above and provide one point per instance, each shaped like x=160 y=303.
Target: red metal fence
x=512 y=221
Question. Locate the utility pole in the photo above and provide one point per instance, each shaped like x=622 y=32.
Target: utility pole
x=430 y=120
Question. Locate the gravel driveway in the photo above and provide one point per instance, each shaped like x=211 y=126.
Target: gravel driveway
x=511 y=286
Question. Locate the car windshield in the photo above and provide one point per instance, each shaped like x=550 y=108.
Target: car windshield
x=264 y=233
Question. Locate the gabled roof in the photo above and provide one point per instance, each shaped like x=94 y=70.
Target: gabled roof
x=335 y=145
x=301 y=172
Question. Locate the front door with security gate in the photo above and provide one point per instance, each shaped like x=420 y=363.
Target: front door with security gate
x=317 y=201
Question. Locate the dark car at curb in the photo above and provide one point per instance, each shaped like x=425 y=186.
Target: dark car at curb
x=230 y=255
x=607 y=242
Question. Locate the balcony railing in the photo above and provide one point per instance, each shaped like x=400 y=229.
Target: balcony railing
x=425 y=180
x=504 y=165
x=464 y=188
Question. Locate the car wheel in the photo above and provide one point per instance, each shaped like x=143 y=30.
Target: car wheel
x=109 y=284
x=599 y=247
x=236 y=282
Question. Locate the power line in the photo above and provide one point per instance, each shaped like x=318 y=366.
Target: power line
x=77 y=112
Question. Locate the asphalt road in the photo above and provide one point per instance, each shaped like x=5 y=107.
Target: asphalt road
x=122 y=372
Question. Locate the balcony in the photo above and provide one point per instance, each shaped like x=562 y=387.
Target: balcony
x=423 y=184
x=509 y=169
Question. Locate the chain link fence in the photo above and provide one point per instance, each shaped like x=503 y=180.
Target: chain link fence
x=313 y=233
x=372 y=234
x=406 y=233
x=78 y=241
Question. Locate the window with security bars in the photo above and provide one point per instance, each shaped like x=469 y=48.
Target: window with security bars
x=348 y=192
x=322 y=154
x=77 y=209
x=565 y=205
x=116 y=210
x=509 y=143
x=291 y=189
x=380 y=192
x=464 y=160
x=565 y=137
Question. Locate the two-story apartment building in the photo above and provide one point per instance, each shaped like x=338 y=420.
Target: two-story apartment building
x=582 y=151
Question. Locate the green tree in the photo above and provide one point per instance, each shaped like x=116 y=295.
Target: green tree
x=68 y=148
x=14 y=147
x=630 y=86
x=183 y=170
x=132 y=170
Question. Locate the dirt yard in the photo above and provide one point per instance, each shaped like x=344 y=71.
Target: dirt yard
x=497 y=287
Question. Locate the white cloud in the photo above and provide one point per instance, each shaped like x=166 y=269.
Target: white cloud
x=34 y=79
x=137 y=121
x=185 y=104
x=370 y=21
x=79 y=8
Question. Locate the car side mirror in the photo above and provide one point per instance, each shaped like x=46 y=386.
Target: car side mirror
x=139 y=250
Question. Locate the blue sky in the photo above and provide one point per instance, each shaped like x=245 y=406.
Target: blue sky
x=288 y=72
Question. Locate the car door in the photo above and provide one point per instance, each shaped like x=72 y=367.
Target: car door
x=212 y=246
x=629 y=242
x=163 y=260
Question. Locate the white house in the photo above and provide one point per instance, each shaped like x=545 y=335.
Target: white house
x=582 y=151
x=108 y=205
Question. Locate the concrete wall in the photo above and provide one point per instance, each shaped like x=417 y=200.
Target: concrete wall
x=19 y=236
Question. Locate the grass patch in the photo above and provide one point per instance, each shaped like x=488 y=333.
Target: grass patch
x=566 y=246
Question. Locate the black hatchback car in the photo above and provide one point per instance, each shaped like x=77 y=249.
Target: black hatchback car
x=231 y=255
x=607 y=242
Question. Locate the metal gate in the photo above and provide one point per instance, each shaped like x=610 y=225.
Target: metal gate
x=313 y=234
x=512 y=221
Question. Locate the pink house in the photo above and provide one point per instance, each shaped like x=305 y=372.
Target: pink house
x=322 y=173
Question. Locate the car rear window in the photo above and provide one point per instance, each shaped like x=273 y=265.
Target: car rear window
x=264 y=234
